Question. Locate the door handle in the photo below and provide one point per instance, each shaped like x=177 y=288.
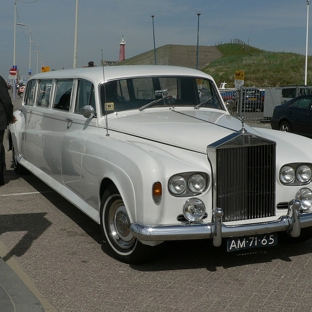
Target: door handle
x=69 y=122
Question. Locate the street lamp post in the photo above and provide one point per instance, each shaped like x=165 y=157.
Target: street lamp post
x=76 y=36
x=307 y=45
x=198 y=14
x=14 y=51
x=37 y=55
x=29 y=59
x=155 y=61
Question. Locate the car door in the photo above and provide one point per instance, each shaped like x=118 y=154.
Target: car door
x=47 y=125
x=35 y=123
x=301 y=116
x=78 y=129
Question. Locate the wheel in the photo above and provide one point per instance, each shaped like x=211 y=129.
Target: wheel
x=115 y=224
x=284 y=126
x=19 y=169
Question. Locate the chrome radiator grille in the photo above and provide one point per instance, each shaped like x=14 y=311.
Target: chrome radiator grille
x=245 y=176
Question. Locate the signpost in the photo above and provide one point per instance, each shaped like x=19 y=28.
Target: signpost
x=13 y=71
x=13 y=76
x=239 y=78
x=239 y=82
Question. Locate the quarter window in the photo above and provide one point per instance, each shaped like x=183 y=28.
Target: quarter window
x=30 y=93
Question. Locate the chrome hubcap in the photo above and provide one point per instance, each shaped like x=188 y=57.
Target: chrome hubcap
x=119 y=225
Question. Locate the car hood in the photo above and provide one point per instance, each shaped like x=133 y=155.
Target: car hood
x=190 y=129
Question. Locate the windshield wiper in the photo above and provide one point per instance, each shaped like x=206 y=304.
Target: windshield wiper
x=164 y=95
x=204 y=103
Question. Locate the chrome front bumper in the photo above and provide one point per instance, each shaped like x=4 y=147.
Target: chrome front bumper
x=291 y=223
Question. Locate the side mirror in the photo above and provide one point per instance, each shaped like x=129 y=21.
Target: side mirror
x=88 y=111
x=231 y=105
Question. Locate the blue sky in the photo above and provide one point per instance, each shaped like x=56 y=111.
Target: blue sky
x=278 y=25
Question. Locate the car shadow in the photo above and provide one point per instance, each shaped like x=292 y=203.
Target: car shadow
x=182 y=255
x=34 y=224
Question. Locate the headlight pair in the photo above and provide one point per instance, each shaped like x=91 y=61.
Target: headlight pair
x=188 y=183
x=296 y=174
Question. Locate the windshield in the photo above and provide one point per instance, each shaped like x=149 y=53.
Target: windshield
x=148 y=92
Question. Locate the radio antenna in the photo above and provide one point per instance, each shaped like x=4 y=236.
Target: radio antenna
x=104 y=86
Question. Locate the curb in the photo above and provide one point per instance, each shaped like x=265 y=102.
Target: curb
x=17 y=291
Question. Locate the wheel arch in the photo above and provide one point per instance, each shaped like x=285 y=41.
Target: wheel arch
x=128 y=197
x=284 y=119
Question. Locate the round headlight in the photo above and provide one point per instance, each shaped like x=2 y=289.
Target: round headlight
x=303 y=173
x=196 y=183
x=177 y=185
x=305 y=197
x=287 y=175
x=194 y=209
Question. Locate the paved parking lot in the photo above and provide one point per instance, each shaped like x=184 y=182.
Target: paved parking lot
x=60 y=254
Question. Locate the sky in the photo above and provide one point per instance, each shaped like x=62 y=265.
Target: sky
x=271 y=25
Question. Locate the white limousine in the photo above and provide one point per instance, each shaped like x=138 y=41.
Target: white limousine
x=152 y=154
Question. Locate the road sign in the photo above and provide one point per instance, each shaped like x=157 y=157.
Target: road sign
x=13 y=71
x=240 y=74
x=45 y=69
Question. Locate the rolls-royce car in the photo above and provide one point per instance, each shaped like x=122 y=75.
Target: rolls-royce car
x=151 y=154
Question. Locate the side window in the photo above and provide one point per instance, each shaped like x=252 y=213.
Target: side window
x=63 y=94
x=294 y=104
x=289 y=92
x=44 y=92
x=304 y=103
x=208 y=94
x=85 y=95
x=30 y=93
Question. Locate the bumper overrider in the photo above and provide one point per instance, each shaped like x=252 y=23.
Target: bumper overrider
x=216 y=230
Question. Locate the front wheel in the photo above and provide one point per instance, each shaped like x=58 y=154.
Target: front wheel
x=115 y=224
x=285 y=126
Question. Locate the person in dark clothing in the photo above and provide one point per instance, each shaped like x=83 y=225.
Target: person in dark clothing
x=6 y=117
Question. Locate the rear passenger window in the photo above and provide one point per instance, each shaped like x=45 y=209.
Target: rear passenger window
x=63 y=94
x=44 y=92
x=85 y=95
x=30 y=93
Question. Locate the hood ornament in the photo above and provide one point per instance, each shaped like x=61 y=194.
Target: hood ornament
x=242 y=119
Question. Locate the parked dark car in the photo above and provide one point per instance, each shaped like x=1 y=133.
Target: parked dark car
x=294 y=116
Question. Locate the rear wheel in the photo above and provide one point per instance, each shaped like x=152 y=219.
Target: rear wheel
x=115 y=225
x=285 y=126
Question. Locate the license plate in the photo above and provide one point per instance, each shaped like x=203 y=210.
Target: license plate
x=256 y=241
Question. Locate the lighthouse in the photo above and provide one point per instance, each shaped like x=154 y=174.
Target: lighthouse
x=122 y=52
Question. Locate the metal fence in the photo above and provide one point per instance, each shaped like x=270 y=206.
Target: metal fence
x=247 y=102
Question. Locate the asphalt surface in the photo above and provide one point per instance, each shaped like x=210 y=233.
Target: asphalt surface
x=53 y=258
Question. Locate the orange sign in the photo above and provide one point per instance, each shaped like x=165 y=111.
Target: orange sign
x=45 y=69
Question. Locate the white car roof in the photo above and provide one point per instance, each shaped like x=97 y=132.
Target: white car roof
x=106 y=73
